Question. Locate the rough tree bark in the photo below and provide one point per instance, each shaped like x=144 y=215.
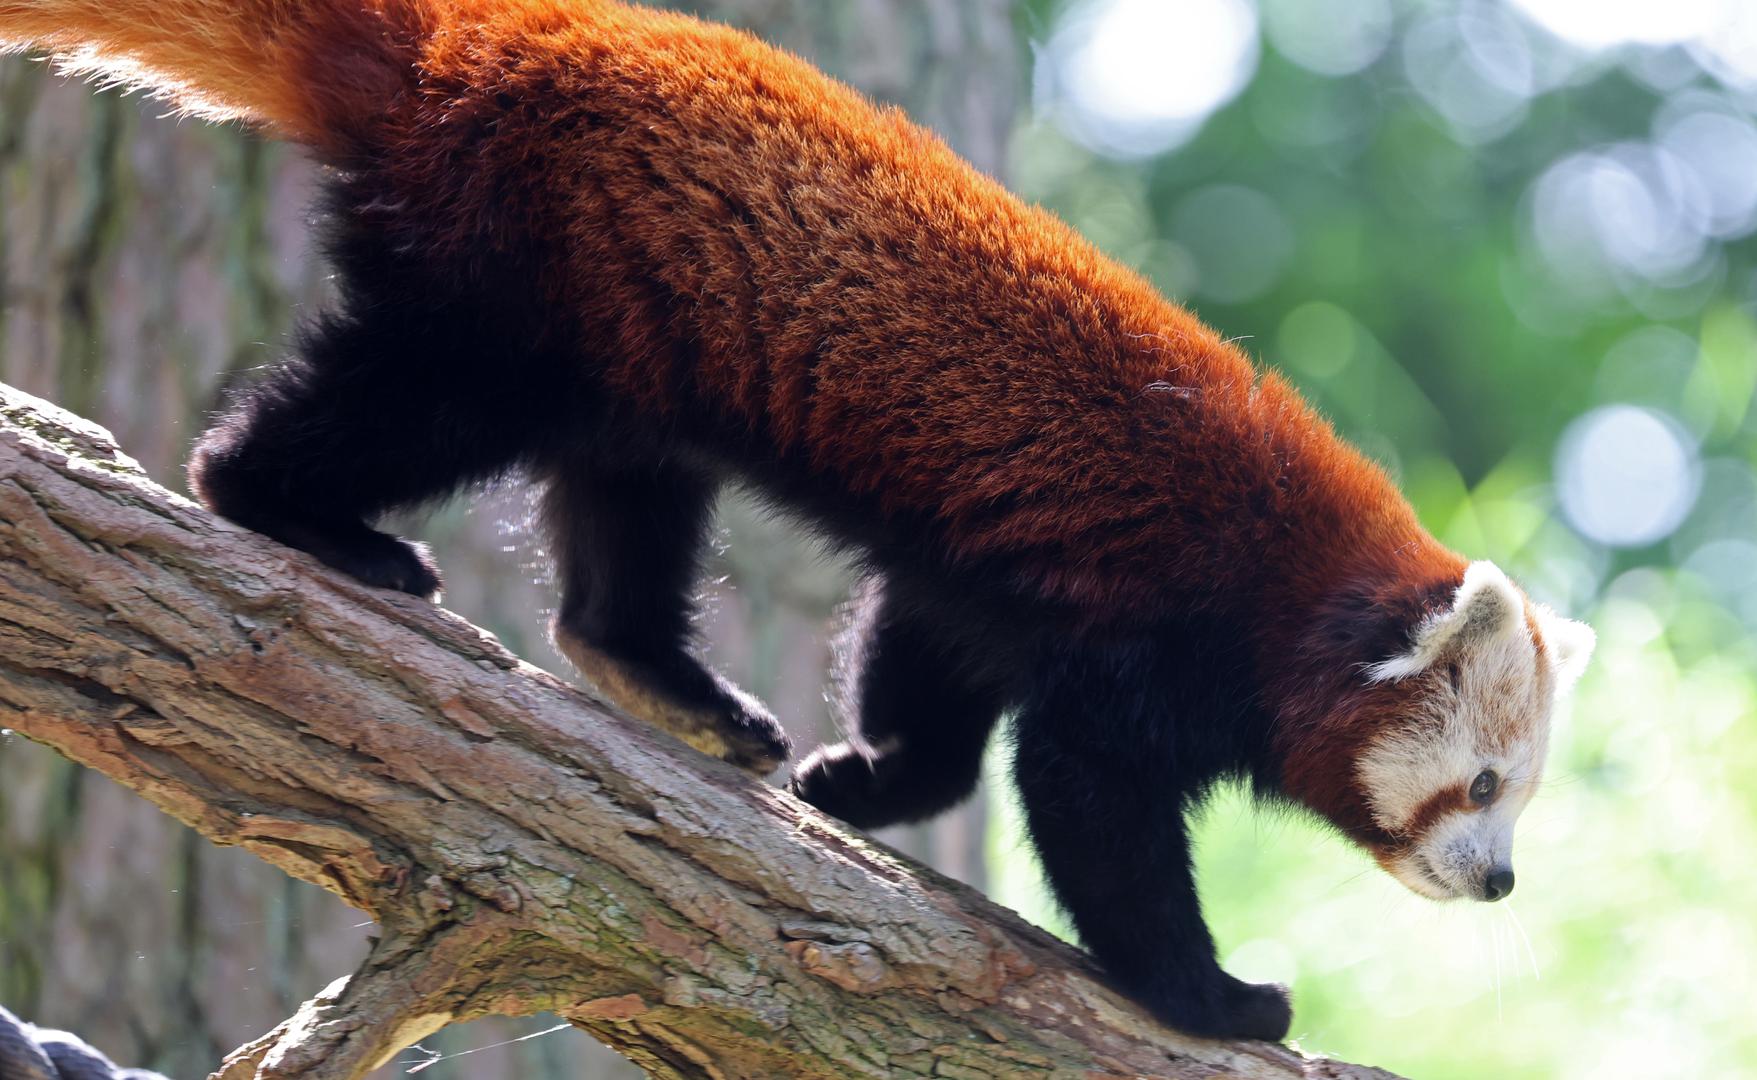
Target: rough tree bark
x=521 y=848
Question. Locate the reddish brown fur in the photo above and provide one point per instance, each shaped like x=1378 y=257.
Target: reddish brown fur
x=1439 y=804
x=643 y=255
x=854 y=292
x=1331 y=716
x=315 y=71
x=742 y=234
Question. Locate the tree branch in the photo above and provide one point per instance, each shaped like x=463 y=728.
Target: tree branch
x=522 y=848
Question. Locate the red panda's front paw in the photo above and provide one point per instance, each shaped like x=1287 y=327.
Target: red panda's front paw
x=386 y=562
x=1260 y=1010
x=1227 y=1008
x=366 y=555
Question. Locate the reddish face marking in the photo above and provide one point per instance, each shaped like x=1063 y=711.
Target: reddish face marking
x=1445 y=801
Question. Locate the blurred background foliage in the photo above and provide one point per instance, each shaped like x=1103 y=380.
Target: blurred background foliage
x=1505 y=245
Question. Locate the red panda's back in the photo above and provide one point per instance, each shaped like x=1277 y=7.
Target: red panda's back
x=749 y=238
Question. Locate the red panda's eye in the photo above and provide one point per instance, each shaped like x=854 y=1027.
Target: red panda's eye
x=1482 y=789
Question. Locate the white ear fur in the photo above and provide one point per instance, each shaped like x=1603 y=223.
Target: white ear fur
x=1569 y=644
x=1486 y=606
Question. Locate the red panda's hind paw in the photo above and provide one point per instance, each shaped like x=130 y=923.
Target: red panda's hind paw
x=386 y=562
x=364 y=554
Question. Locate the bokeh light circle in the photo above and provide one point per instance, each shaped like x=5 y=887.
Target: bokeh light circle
x=1631 y=206
x=1336 y=38
x=1133 y=78
x=1626 y=476
x=1719 y=146
x=1597 y=24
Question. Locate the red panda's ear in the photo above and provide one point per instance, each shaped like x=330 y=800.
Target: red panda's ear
x=1486 y=608
x=1569 y=645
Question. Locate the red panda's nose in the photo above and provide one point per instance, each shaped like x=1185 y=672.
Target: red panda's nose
x=1498 y=884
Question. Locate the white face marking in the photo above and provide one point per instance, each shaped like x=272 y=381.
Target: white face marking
x=1492 y=714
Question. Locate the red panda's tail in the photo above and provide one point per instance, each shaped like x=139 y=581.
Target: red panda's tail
x=313 y=70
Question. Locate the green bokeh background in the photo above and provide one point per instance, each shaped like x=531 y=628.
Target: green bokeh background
x=1405 y=292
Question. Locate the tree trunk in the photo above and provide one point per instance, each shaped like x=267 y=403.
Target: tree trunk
x=140 y=259
x=144 y=262
x=521 y=848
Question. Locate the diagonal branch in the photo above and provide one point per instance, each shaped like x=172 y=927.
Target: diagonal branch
x=522 y=848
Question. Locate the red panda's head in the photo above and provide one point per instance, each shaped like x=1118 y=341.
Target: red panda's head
x=1433 y=751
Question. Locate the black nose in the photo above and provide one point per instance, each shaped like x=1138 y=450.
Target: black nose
x=1498 y=884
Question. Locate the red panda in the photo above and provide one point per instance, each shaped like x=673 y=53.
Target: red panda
x=639 y=256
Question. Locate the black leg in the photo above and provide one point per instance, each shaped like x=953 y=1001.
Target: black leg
x=1105 y=797
x=361 y=422
x=626 y=541
x=924 y=717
